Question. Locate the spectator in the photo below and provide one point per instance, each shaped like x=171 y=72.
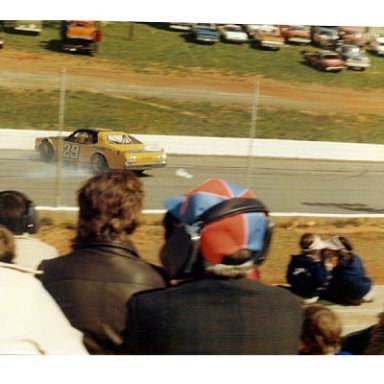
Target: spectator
x=306 y=273
x=31 y=322
x=375 y=345
x=321 y=332
x=18 y=214
x=368 y=341
x=220 y=233
x=349 y=284
x=93 y=282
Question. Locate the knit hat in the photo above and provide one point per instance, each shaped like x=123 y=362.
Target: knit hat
x=223 y=237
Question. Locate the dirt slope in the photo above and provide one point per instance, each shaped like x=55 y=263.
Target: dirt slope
x=25 y=70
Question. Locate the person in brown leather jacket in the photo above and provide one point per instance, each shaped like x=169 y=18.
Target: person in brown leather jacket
x=92 y=283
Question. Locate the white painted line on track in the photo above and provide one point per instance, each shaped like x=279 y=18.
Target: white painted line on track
x=276 y=214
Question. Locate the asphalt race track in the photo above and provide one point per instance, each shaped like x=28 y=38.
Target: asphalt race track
x=285 y=185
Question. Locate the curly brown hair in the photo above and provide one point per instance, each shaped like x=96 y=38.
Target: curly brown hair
x=7 y=245
x=110 y=206
x=321 y=330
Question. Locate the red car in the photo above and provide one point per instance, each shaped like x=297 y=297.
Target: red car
x=323 y=60
x=296 y=34
x=356 y=38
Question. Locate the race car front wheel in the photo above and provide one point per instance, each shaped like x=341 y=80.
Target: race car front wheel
x=99 y=164
x=46 y=151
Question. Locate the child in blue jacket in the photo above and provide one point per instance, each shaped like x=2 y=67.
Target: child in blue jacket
x=349 y=284
x=306 y=272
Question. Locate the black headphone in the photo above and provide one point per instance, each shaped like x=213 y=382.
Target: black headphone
x=180 y=255
x=29 y=220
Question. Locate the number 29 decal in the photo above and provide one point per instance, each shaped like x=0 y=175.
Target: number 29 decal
x=71 y=151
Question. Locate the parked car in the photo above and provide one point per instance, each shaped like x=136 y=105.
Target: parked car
x=251 y=28
x=296 y=34
x=29 y=26
x=180 y=26
x=324 y=36
x=354 y=57
x=205 y=33
x=268 y=36
x=1 y=34
x=233 y=33
x=80 y=36
x=356 y=38
x=324 y=60
x=101 y=150
x=347 y=29
x=376 y=44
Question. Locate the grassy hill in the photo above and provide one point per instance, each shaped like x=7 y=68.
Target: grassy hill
x=155 y=44
x=145 y=46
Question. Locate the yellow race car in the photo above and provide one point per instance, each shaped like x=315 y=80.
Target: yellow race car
x=101 y=149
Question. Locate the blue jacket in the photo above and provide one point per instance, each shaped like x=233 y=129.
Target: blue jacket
x=306 y=275
x=349 y=281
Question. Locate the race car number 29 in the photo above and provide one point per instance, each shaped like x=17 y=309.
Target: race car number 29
x=71 y=151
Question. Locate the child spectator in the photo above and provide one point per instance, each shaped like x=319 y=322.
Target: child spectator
x=321 y=332
x=306 y=273
x=349 y=284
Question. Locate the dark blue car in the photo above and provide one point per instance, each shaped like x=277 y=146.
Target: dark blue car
x=205 y=33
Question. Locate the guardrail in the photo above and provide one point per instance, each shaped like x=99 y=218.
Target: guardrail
x=222 y=146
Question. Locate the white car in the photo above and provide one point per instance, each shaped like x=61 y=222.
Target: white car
x=354 y=57
x=233 y=33
x=376 y=44
x=181 y=26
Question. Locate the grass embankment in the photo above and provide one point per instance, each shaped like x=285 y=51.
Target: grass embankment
x=155 y=46
x=366 y=235
x=39 y=110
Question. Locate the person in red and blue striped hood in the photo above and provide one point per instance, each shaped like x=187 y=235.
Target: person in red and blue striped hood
x=216 y=234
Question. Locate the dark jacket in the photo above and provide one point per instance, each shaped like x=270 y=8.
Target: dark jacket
x=349 y=281
x=306 y=275
x=214 y=316
x=92 y=285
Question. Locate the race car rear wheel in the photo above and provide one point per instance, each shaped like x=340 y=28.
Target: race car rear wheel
x=46 y=151
x=99 y=164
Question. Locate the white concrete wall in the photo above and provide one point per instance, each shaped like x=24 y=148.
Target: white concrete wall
x=193 y=145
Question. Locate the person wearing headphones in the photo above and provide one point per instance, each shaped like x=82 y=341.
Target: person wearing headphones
x=18 y=214
x=216 y=235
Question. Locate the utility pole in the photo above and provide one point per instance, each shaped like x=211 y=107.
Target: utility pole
x=59 y=159
x=252 y=133
x=131 y=30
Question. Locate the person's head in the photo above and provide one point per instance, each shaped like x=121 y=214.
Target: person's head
x=7 y=245
x=110 y=206
x=321 y=331
x=17 y=212
x=311 y=243
x=339 y=247
x=217 y=227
